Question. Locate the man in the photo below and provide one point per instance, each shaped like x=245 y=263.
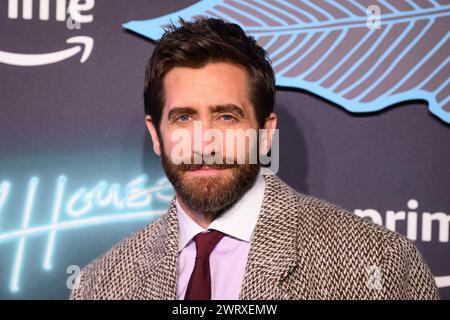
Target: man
x=232 y=232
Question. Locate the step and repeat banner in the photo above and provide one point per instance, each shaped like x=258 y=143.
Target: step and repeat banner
x=363 y=102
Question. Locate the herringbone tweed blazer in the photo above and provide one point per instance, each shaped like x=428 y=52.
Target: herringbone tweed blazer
x=302 y=248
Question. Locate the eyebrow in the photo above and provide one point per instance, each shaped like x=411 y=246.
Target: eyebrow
x=218 y=108
x=229 y=107
x=176 y=111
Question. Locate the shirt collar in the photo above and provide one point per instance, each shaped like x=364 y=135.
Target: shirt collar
x=239 y=221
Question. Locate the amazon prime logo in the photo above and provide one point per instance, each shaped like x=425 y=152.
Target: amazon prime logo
x=422 y=226
x=72 y=12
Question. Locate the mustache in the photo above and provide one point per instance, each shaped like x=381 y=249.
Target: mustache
x=195 y=166
x=191 y=167
x=226 y=163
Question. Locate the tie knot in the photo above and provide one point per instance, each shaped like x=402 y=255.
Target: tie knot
x=205 y=242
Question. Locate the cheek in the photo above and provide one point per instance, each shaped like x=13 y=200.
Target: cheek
x=178 y=144
x=241 y=144
x=165 y=141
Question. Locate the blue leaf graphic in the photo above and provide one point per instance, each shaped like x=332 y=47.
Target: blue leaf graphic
x=327 y=47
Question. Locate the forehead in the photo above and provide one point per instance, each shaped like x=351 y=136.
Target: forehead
x=214 y=84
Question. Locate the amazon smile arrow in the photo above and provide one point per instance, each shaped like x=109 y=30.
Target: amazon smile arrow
x=84 y=44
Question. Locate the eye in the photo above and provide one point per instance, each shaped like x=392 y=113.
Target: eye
x=227 y=117
x=184 y=118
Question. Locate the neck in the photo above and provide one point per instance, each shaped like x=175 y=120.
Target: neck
x=203 y=220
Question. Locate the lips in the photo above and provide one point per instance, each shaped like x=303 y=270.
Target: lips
x=205 y=168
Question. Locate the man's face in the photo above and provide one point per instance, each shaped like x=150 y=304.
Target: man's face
x=215 y=98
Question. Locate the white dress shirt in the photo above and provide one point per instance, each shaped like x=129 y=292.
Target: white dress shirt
x=229 y=258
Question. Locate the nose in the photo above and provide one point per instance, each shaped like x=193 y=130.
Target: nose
x=207 y=140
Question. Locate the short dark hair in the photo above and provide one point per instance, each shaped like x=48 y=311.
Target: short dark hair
x=206 y=40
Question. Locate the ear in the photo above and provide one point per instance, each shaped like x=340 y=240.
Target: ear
x=154 y=134
x=270 y=125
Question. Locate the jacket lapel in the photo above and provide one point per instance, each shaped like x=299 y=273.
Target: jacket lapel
x=157 y=265
x=274 y=249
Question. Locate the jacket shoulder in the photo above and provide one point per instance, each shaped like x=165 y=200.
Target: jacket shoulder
x=108 y=276
x=316 y=213
x=344 y=250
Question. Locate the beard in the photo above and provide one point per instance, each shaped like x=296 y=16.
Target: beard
x=210 y=195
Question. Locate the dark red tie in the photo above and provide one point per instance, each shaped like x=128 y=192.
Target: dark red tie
x=199 y=287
